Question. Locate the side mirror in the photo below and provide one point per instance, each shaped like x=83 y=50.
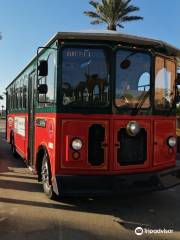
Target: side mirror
x=42 y=89
x=43 y=68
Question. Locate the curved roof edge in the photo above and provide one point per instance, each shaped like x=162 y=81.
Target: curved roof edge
x=109 y=36
x=122 y=38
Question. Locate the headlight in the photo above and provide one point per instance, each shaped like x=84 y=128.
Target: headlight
x=171 y=142
x=76 y=144
x=133 y=128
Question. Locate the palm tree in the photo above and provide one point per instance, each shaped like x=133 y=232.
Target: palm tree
x=112 y=12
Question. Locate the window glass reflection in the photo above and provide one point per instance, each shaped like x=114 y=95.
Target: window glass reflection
x=164 y=83
x=132 y=79
x=85 y=75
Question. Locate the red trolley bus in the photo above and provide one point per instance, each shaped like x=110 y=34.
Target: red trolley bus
x=94 y=112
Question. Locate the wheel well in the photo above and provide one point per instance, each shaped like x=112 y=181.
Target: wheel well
x=39 y=158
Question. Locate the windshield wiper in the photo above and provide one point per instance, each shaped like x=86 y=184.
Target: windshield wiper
x=141 y=101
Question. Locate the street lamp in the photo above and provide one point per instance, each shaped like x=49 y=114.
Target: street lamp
x=2 y=110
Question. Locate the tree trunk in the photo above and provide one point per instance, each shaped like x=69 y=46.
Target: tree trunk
x=112 y=27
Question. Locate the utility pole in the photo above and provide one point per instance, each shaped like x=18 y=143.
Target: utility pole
x=2 y=110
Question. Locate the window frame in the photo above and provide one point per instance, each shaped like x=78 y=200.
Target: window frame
x=171 y=110
x=21 y=82
x=42 y=104
x=94 y=108
x=25 y=96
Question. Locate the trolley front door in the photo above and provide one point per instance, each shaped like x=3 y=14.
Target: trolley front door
x=31 y=118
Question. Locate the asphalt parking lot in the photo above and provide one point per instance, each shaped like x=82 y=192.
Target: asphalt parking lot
x=26 y=213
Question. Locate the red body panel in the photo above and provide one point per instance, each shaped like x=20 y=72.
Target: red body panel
x=70 y=124
x=162 y=153
x=46 y=136
x=59 y=130
x=20 y=138
x=73 y=128
x=118 y=124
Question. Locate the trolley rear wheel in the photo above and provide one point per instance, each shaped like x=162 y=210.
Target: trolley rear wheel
x=13 y=147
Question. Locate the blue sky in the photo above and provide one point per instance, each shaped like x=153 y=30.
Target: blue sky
x=26 y=25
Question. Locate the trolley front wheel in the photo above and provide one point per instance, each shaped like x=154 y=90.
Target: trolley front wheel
x=46 y=178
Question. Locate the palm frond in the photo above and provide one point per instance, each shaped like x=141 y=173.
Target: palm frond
x=126 y=3
x=91 y=14
x=131 y=9
x=131 y=18
x=96 y=21
x=94 y=3
x=120 y=25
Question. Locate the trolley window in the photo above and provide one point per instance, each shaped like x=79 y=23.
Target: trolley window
x=132 y=79
x=85 y=77
x=164 y=83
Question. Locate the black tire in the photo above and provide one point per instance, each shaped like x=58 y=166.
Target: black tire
x=46 y=178
x=13 y=147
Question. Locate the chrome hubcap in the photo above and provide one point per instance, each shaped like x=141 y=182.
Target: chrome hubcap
x=45 y=175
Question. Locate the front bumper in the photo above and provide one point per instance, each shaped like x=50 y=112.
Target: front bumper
x=70 y=185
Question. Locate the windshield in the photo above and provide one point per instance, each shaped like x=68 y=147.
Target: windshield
x=85 y=77
x=132 y=79
x=164 y=83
